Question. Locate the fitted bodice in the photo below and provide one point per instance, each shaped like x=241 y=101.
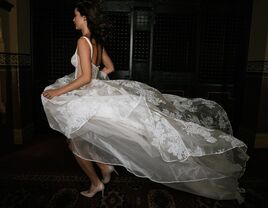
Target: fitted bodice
x=76 y=62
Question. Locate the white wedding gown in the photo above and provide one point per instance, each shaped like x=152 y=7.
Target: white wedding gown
x=186 y=144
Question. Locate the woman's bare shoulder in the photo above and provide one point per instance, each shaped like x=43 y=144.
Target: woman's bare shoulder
x=82 y=42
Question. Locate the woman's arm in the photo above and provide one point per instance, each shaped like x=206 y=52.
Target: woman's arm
x=84 y=54
x=107 y=62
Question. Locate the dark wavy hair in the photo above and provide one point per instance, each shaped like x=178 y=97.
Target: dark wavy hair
x=98 y=24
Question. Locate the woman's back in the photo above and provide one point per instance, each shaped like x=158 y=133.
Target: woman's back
x=97 y=53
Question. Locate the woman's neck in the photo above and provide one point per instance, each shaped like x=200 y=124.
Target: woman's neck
x=86 y=32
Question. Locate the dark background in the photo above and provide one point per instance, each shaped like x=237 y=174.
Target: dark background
x=192 y=48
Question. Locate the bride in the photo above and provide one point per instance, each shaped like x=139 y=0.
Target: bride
x=186 y=144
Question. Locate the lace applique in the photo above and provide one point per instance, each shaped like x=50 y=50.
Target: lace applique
x=175 y=114
x=234 y=142
x=206 y=113
x=222 y=122
x=165 y=136
x=194 y=119
x=152 y=95
x=75 y=113
x=183 y=105
x=209 y=103
x=173 y=148
x=207 y=121
x=192 y=128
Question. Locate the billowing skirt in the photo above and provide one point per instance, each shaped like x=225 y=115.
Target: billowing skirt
x=186 y=144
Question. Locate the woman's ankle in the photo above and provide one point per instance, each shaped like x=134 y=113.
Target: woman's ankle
x=96 y=183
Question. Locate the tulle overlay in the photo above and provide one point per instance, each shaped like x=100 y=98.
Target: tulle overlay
x=186 y=144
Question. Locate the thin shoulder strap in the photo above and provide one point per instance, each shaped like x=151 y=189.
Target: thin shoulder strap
x=90 y=45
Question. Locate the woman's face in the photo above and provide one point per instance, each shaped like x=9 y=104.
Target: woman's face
x=78 y=20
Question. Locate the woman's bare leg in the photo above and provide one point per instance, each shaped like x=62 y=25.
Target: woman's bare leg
x=106 y=171
x=96 y=184
x=87 y=167
x=103 y=166
x=89 y=170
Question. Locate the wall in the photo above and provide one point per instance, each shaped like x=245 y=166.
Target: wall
x=16 y=74
x=256 y=82
x=259 y=31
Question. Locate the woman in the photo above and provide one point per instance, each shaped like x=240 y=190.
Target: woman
x=86 y=64
x=183 y=143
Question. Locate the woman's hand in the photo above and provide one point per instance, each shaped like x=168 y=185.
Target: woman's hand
x=49 y=94
x=103 y=75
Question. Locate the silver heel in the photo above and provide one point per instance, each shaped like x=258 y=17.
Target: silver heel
x=93 y=190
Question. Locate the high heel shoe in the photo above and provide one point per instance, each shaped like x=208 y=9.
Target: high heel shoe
x=107 y=174
x=93 y=190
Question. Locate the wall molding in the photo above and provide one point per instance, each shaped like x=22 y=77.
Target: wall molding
x=15 y=59
x=257 y=66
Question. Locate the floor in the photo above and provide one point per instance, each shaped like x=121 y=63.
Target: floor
x=50 y=154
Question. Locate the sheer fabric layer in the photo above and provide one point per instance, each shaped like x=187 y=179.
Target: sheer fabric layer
x=184 y=143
